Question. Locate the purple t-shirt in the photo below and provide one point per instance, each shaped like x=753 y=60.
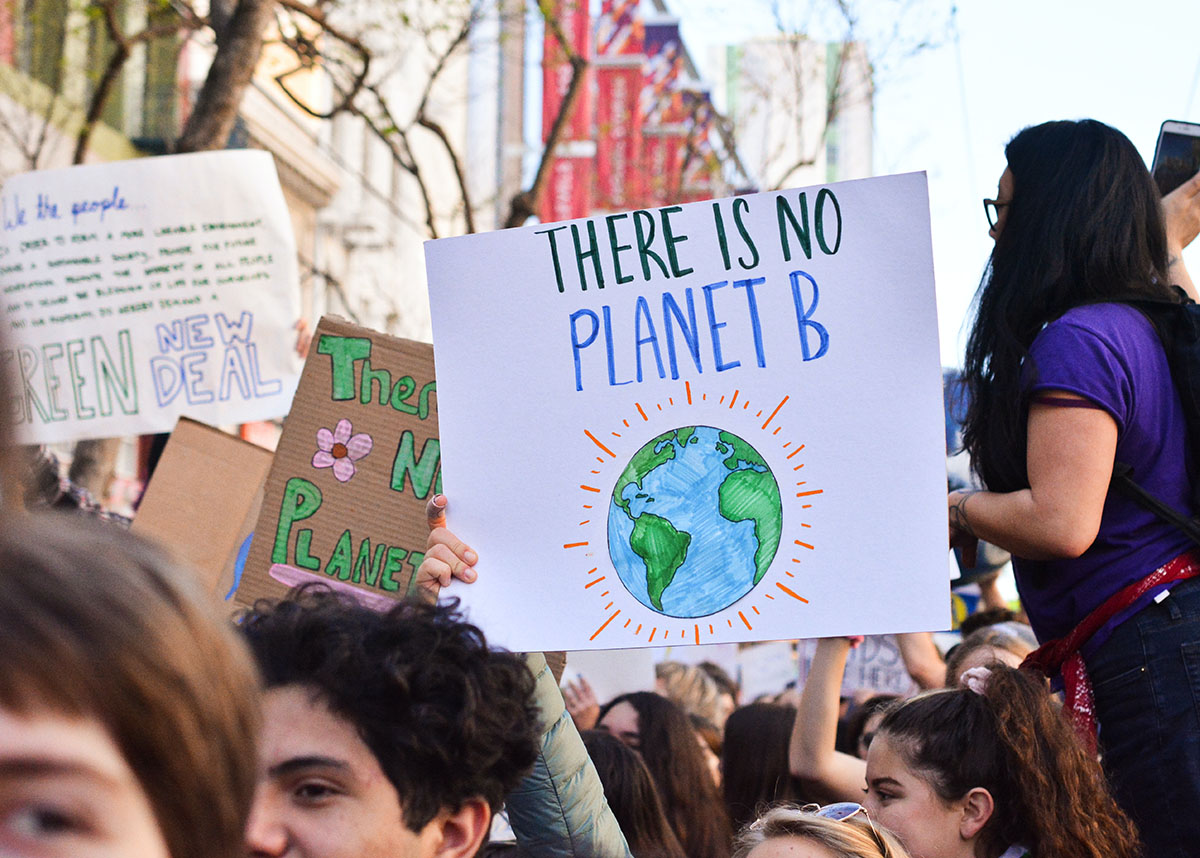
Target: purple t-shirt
x=1111 y=355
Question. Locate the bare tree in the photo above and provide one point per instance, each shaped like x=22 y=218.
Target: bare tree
x=239 y=27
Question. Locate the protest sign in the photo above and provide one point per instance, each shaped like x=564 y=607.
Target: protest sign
x=139 y=291
x=203 y=500
x=705 y=423
x=875 y=666
x=612 y=673
x=767 y=669
x=357 y=461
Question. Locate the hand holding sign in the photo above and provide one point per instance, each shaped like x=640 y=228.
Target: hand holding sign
x=446 y=556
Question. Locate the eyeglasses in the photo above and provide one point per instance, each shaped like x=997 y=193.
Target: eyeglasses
x=992 y=209
x=837 y=811
x=843 y=810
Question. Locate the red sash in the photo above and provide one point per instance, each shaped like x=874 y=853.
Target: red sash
x=1061 y=656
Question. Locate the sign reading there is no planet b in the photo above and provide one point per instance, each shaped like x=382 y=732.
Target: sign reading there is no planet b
x=704 y=423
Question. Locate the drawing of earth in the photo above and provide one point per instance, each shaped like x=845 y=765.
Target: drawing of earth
x=694 y=521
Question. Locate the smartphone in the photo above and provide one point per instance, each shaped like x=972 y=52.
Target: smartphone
x=1177 y=155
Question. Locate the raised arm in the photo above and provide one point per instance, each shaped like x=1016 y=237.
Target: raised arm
x=826 y=773
x=1181 y=209
x=559 y=809
x=922 y=660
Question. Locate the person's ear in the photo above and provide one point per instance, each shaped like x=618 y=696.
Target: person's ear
x=978 y=807
x=461 y=833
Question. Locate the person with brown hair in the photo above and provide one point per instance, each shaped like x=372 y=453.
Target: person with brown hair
x=691 y=689
x=992 y=770
x=754 y=760
x=128 y=709
x=837 y=831
x=385 y=735
x=984 y=646
x=630 y=792
x=659 y=729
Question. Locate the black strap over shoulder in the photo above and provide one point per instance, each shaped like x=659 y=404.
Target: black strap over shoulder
x=1125 y=485
x=1177 y=323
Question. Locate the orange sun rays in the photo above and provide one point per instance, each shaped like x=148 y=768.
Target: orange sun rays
x=622 y=601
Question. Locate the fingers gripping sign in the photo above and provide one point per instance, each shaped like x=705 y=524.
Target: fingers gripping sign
x=446 y=556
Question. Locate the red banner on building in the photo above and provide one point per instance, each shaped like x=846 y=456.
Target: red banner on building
x=575 y=24
x=568 y=189
x=619 y=60
x=662 y=106
x=568 y=192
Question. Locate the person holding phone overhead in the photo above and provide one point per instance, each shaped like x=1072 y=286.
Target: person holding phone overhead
x=1176 y=155
x=1064 y=381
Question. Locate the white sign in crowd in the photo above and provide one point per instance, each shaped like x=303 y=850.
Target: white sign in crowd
x=705 y=423
x=139 y=291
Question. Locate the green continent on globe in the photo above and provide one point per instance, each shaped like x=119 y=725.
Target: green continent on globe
x=663 y=548
x=754 y=496
x=645 y=460
x=740 y=451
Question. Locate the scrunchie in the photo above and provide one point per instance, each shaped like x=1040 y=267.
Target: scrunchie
x=975 y=679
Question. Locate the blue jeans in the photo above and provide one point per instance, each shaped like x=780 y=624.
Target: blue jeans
x=1146 y=679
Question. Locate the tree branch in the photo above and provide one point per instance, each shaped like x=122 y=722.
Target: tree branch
x=459 y=173
x=309 y=54
x=525 y=204
x=122 y=49
x=238 y=49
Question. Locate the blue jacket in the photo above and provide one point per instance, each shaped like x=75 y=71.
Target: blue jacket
x=559 y=809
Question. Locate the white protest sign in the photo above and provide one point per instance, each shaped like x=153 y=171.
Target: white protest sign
x=875 y=665
x=705 y=423
x=612 y=673
x=141 y=291
x=768 y=669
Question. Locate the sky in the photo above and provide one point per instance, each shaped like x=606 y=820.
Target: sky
x=991 y=68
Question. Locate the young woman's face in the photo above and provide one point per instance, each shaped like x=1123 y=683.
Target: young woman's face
x=67 y=792
x=622 y=722
x=903 y=802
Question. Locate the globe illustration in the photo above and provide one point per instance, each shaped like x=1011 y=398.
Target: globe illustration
x=694 y=521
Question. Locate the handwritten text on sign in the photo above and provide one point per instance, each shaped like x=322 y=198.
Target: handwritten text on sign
x=646 y=245
x=345 y=500
x=138 y=291
x=728 y=425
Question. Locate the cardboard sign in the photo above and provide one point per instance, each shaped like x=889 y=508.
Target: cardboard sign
x=203 y=501
x=725 y=416
x=357 y=461
x=139 y=291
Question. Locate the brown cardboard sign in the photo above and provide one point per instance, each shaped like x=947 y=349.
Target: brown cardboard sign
x=204 y=499
x=359 y=457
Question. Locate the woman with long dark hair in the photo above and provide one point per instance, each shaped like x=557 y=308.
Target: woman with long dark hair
x=630 y=792
x=754 y=761
x=1064 y=382
x=661 y=732
x=991 y=770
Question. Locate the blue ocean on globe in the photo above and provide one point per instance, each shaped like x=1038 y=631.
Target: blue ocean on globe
x=684 y=490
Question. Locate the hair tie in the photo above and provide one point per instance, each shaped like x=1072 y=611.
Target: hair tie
x=975 y=679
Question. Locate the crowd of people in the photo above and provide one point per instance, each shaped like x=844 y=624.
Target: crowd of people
x=138 y=721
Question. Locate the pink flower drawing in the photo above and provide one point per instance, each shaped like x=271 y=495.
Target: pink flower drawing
x=340 y=449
